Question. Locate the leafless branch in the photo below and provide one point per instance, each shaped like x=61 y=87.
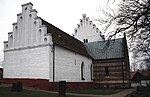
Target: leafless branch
x=133 y=18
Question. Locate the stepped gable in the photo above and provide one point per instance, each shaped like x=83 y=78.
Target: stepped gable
x=63 y=39
x=87 y=31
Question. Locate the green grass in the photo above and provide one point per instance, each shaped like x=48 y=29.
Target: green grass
x=96 y=91
x=6 y=92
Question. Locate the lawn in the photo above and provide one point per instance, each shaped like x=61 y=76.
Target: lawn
x=96 y=91
x=6 y=92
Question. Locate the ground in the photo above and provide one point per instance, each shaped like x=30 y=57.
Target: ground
x=140 y=92
x=5 y=91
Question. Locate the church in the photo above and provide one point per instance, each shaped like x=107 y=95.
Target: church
x=39 y=55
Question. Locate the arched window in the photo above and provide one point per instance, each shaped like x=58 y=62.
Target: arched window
x=45 y=39
x=82 y=71
x=86 y=40
x=76 y=31
x=25 y=8
x=34 y=22
x=20 y=17
x=11 y=36
x=30 y=15
x=6 y=45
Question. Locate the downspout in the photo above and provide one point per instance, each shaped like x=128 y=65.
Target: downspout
x=124 y=60
x=53 y=67
x=127 y=62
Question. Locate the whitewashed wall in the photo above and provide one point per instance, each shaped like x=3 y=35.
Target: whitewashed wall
x=27 y=63
x=87 y=30
x=68 y=66
x=27 y=53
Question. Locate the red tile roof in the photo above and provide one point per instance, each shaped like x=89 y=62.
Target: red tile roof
x=63 y=39
x=140 y=75
x=132 y=74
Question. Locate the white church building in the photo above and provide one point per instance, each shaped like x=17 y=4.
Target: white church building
x=38 y=54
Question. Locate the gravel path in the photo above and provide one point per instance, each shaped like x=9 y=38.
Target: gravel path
x=119 y=94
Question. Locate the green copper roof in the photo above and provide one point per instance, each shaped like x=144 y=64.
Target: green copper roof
x=105 y=49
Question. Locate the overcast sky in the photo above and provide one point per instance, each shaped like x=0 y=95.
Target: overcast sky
x=64 y=14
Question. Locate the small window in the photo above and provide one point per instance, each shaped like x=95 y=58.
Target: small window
x=78 y=25
x=25 y=8
x=20 y=17
x=86 y=40
x=84 y=16
x=16 y=27
x=6 y=45
x=30 y=15
x=107 y=71
x=107 y=85
x=34 y=22
x=45 y=39
x=76 y=31
x=11 y=36
x=82 y=71
x=86 y=19
x=40 y=30
x=90 y=22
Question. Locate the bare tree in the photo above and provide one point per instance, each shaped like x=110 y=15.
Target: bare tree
x=133 y=18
